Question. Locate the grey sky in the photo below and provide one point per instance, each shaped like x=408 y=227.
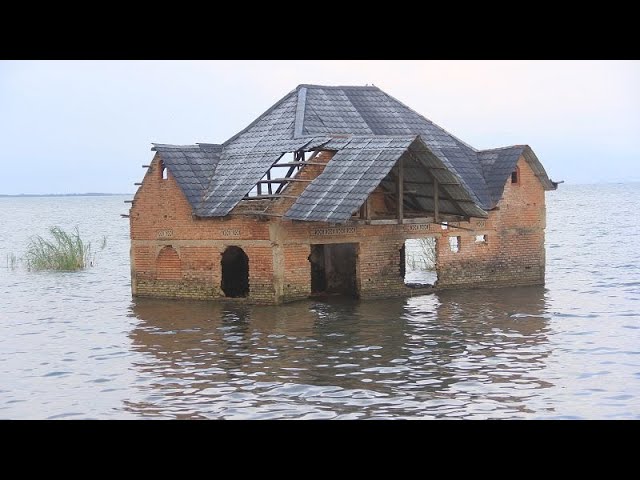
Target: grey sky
x=80 y=126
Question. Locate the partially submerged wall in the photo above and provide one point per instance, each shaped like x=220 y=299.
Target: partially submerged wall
x=513 y=253
x=161 y=217
x=174 y=254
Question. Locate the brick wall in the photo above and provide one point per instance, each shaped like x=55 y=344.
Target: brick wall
x=278 y=249
x=161 y=216
x=168 y=264
x=514 y=252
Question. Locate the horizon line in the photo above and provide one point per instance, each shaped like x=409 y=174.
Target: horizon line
x=86 y=194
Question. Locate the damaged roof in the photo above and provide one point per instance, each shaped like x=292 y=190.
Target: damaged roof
x=369 y=130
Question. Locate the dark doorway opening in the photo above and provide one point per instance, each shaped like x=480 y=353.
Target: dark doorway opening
x=235 y=272
x=318 y=273
x=333 y=269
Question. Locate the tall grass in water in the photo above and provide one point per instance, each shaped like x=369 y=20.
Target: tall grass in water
x=66 y=251
x=12 y=261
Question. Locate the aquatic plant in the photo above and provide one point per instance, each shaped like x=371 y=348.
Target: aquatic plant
x=427 y=249
x=12 y=261
x=422 y=256
x=66 y=251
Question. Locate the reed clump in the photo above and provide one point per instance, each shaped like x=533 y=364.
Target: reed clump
x=12 y=261
x=65 y=251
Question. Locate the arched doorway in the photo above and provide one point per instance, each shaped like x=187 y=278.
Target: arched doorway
x=235 y=272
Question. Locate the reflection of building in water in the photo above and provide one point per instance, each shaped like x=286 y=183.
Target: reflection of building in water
x=177 y=328
x=207 y=347
x=493 y=341
x=204 y=357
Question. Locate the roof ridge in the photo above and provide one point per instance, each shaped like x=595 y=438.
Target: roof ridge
x=301 y=109
x=260 y=117
x=430 y=121
x=473 y=152
x=339 y=87
x=503 y=148
x=167 y=146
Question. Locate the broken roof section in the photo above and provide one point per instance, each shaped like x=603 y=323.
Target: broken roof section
x=369 y=130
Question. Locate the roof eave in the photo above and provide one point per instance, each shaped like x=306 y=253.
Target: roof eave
x=538 y=169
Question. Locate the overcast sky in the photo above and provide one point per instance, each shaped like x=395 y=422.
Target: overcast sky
x=86 y=126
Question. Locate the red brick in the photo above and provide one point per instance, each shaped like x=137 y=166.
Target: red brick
x=175 y=254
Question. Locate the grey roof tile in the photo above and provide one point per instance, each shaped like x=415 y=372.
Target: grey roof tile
x=355 y=171
x=191 y=166
x=368 y=128
x=498 y=163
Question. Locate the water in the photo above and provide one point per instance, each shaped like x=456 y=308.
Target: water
x=76 y=345
x=420 y=261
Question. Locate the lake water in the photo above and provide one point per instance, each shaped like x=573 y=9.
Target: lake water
x=77 y=345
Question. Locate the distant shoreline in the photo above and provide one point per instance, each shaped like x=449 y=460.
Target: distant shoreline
x=62 y=195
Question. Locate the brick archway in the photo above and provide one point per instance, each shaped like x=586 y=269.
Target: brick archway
x=168 y=264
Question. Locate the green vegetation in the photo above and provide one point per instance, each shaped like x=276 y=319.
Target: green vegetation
x=66 y=251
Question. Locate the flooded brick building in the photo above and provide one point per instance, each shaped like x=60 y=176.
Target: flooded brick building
x=319 y=195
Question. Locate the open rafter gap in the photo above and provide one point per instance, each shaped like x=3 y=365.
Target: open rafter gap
x=283 y=180
x=416 y=195
x=428 y=170
x=260 y=197
x=296 y=159
x=441 y=190
x=413 y=201
x=298 y=164
x=412 y=195
x=297 y=155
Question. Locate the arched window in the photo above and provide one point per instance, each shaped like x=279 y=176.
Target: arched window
x=168 y=265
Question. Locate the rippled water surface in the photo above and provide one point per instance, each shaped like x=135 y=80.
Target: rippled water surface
x=76 y=345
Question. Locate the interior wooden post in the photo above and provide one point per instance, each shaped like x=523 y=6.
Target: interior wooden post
x=367 y=210
x=400 y=190
x=436 y=206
